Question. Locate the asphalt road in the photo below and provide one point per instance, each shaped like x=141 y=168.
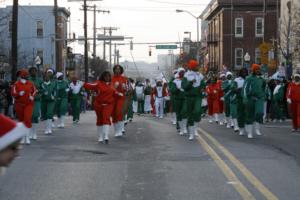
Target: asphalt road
x=154 y=163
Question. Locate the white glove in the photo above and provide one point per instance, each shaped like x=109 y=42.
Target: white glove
x=31 y=98
x=21 y=93
x=124 y=86
x=45 y=93
x=289 y=101
x=222 y=99
x=67 y=90
x=120 y=94
x=52 y=97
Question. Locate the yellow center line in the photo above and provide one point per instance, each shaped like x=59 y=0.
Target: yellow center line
x=239 y=187
x=242 y=168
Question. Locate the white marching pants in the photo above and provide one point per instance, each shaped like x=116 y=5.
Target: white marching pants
x=159 y=107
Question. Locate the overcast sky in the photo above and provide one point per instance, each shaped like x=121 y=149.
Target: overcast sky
x=145 y=20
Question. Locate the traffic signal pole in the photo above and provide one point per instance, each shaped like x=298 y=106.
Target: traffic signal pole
x=14 y=41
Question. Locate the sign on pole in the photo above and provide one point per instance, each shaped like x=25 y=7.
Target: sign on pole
x=166 y=46
x=114 y=37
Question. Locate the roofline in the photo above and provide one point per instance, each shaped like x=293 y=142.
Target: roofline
x=60 y=9
x=216 y=5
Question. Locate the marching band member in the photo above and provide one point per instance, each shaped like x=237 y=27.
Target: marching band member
x=238 y=87
x=48 y=102
x=253 y=96
x=277 y=100
x=221 y=99
x=120 y=83
x=75 y=98
x=213 y=91
x=159 y=93
x=193 y=86
x=103 y=104
x=293 y=99
x=227 y=95
x=24 y=92
x=62 y=90
x=147 y=92
x=37 y=101
x=178 y=93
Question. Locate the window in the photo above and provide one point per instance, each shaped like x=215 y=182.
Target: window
x=257 y=56
x=259 y=27
x=239 y=27
x=39 y=29
x=239 y=58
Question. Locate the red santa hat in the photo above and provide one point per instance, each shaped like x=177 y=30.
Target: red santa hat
x=193 y=64
x=10 y=131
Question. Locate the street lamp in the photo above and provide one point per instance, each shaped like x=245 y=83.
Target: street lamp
x=197 y=18
x=247 y=60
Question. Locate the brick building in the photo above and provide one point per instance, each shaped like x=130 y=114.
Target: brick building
x=36 y=35
x=237 y=27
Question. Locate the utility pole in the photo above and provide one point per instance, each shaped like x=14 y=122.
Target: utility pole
x=14 y=41
x=57 y=53
x=104 y=46
x=110 y=30
x=110 y=34
x=95 y=32
x=86 y=59
x=115 y=55
x=95 y=10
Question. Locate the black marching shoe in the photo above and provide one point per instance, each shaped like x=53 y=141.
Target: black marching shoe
x=106 y=141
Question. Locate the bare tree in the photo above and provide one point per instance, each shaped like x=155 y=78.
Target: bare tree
x=290 y=34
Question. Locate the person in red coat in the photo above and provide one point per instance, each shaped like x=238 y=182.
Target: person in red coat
x=103 y=104
x=293 y=98
x=213 y=91
x=120 y=84
x=24 y=92
x=221 y=98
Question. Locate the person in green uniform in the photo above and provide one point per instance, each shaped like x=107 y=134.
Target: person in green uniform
x=178 y=95
x=254 y=97
x=193 y=85
x=50 y=74
x=48 y=102
x=37 y=101
x=62 y=90
x=226 y=88
x=75 y=98
x=238 y=84
x=268 y=99
x=278 y=100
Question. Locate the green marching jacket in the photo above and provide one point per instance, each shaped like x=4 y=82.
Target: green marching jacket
x=49 y=91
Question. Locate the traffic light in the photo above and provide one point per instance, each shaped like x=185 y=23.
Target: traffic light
x=150 y=52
